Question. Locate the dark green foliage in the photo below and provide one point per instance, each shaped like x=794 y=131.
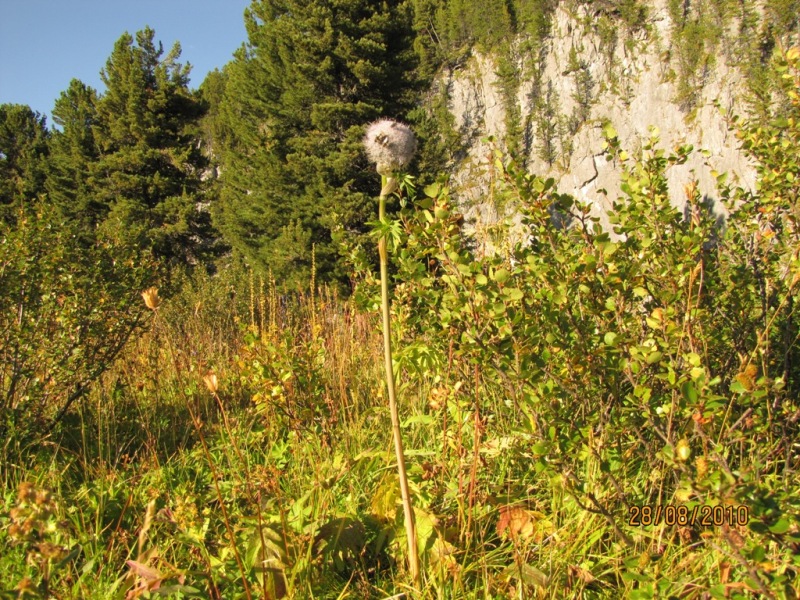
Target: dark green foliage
x=532 y=18
x=511 y=30
x=783 y=16
x=547 y=124
x=439 y=142
x=128 y=161
x=449 y=29
x=72 y=152
x=760 y=37
x=147 y=174
x=509 y=80
x=212 y=127
x=23 y=154
x=428 y=42
x=296 y=102
x=584 y=90
x=702 y=31
x=696 y=35
x=485 y=24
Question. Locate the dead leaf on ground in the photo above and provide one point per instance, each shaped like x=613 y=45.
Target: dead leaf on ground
x=518 y=523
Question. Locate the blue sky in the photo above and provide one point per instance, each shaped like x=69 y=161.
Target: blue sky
x=46 y=43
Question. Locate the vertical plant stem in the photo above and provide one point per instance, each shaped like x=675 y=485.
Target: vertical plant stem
x=476 y=446
x=387 y=184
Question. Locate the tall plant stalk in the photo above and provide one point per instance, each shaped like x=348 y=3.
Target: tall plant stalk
x=390 y=145
x=387 y=185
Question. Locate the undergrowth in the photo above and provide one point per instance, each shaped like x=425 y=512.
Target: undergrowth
x=590 y=414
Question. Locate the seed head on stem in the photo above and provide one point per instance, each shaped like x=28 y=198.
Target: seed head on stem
x=390 y=145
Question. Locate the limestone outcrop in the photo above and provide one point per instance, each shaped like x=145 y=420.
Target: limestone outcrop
x=569 y=89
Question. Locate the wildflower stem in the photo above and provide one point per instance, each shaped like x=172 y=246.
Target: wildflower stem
x=387 y=185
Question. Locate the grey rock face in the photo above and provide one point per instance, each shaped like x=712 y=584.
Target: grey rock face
x=634 y=88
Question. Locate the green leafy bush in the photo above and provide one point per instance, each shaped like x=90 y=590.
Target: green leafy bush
x=65 y=313
x=651 y=365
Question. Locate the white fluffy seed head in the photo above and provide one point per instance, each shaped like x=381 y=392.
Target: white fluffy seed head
x=390 y=145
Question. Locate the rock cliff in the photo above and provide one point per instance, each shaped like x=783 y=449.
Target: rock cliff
x=573 y=84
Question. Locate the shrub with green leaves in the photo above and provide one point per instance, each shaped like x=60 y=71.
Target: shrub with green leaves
x=66 y=311
x=655 y=364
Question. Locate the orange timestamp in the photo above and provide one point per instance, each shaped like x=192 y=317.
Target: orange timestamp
x=701 y=515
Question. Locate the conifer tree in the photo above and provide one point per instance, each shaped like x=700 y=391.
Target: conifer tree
x=297 y=98
x=213 y=129
x=73 y=150
x=214 y=133
x=23 y=155
x=149 y=166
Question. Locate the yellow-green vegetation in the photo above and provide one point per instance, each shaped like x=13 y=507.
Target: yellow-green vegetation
x=591 y=414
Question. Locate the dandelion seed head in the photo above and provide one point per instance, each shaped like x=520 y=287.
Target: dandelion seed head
x=390 y=145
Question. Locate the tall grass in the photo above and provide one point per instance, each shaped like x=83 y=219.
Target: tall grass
x=160 y=483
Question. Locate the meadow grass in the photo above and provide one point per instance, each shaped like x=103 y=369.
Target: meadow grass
x=162 y=486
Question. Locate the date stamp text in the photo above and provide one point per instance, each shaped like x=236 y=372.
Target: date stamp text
x=701 y=515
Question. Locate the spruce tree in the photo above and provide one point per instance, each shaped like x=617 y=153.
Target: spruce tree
x=73 y=150
x=23 y=156
x=213 y=129
x=313 y=73
x=149 y=166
